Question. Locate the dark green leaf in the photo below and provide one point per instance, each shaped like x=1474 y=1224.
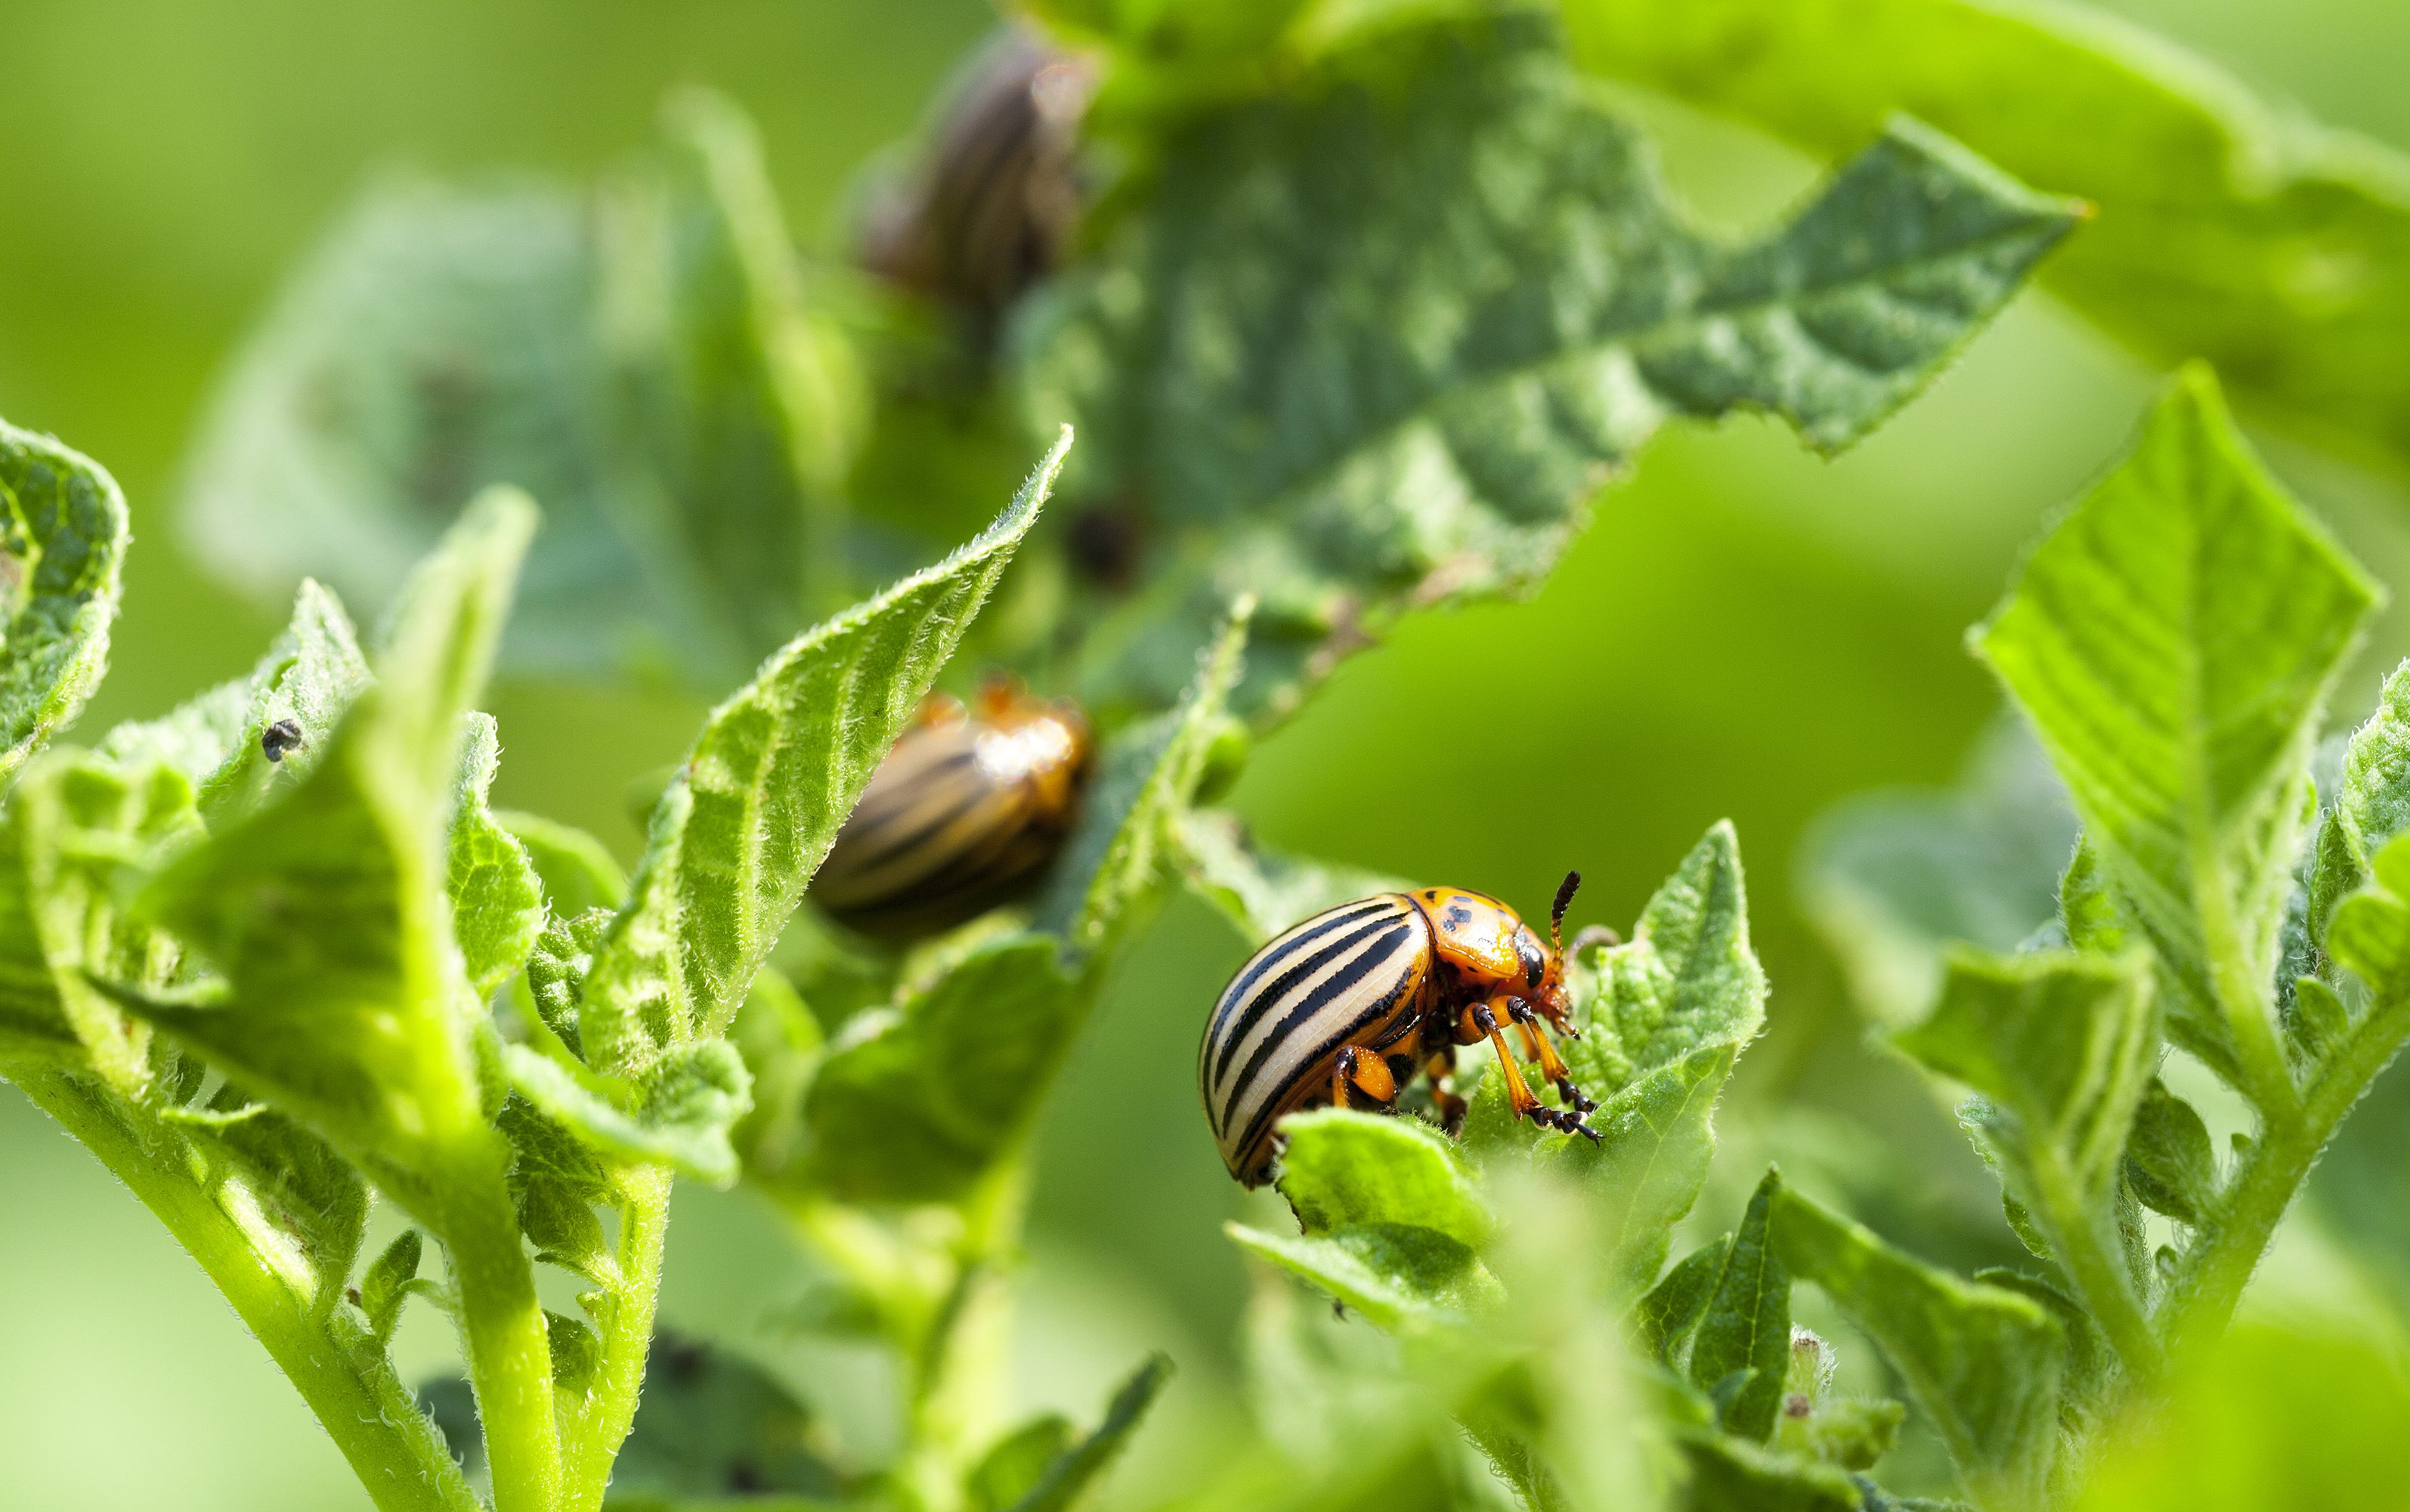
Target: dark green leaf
x=760 y=797
x=1746 y=1326
x=1673 y=1307
x=2174 y=640
x=914 y=1104
x=2169 y=1158
x=497 y=902
x=1075 y=1471
x=1379 y=337
x=557 y=969
x=1731 y=1474
x=2228 y=226
x=1398 y=1275
x=1014 y=1467
x=1982 y=1362
x=1342 y=1168
x=62 y=536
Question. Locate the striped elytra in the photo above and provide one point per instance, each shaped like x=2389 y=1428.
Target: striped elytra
x=1354 y=1003
x=967 y=813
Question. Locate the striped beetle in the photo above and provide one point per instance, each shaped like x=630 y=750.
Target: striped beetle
x=966 y=811
x=1359 y=999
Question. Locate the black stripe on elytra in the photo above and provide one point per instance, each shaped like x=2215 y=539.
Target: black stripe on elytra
x=889 y=849
x=1379 y=952
x=887 y=801
x=1305 y=1068
x=1279 y=951
x=1229 y=1036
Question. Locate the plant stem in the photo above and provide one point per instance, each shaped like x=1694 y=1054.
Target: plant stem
x=2095 y=1268
x=502 y=1327
x=957 y=1372
x=2202 y=1299
x=600 y=1427
x=400 y=1458
x=2243 y=1001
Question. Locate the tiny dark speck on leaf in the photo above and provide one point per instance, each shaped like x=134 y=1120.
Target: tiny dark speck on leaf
x=1795 y=1406
x=279 y=738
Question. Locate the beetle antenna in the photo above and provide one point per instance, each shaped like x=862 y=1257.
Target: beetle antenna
x=1557 y=910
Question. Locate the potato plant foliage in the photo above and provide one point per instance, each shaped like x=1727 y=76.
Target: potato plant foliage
x=1369 y=303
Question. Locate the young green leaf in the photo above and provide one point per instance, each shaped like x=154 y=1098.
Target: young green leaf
x=1733 y=1474
x=2170 y=1162
x=325 y=910
x=1342 y=1168
x=678 y=1110
x=497 y=902
x=1014 y=1464
x=1377 y=339
x=1674 y=1307
x=1401 y=1276
x=759 y=799
x=1075 y=1470
x=63 y=534
x=2174 y=640
x=2227 y=229
x=2371 y=806
x=1259 y=892
x=1890 y=877
x=385 y=1286
x=309 y=676
x=2062 y=1044
x=1982 y=1362
x=1745 y=1326
x=915 y=1105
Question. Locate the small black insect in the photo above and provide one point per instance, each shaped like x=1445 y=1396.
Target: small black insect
x=279 y=738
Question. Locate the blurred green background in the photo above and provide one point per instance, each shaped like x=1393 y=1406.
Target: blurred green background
x=1744 y=631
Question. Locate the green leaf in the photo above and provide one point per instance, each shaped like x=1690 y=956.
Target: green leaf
x=342 y=997
x=1733 y=1475
x=740 y=400
x=555 y=1180
x=1686 y=980
x=2062 y=1045
x=1746 y=1325
x=62 y=536
x=2169 y=1159
x=310 y=676
x=678 y=1110
x=914 y=1104
x=2369 y=933
x=303 y=1207
x=1889 y=878
x=1674 y=1307
x=385 y=1286
x=578 y=872
x=1982 y=1362
x=2227 y=227
x=1344 y=1168
x=1116 y=861
x=2174 y=641
x=2372 y=803
x=760 y=797
x=1400 y=1276
x=498 y=904
x=1016 y=1462
x=1377 y=339
x=1259 y=892
x=1077 y=1468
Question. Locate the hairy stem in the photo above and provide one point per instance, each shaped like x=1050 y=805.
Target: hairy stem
x=2243 y=1001
x=2202 y=1299
x=958 y=1372
x=502 y=1328
x=601 y=1426
x=400 y=1458
x=2092 y=1262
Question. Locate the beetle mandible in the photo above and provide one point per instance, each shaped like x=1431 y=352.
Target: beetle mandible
x=1359 y=999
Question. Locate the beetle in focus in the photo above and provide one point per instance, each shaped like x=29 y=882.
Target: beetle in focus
x=1356 y=1001
x=966 y=811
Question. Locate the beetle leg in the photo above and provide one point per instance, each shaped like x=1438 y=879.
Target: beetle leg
x=1451 y=1107
x=1552 y=1065
x=1518 y=1093
x=1366 y=1072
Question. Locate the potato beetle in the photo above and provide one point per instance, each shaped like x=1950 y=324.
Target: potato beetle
x=968 y=810
x=1358 y=1000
